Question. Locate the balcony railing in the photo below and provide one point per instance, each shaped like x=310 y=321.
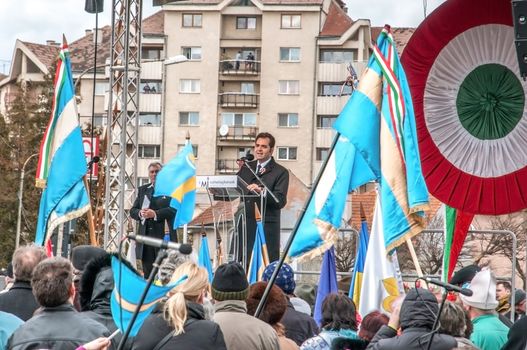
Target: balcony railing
x=226 y=166
x=240 y=67
x=238 y=99
x=242 y=133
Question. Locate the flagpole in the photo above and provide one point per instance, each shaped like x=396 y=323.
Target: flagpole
x=291 y=238
x=91 y=223
x=185 y=226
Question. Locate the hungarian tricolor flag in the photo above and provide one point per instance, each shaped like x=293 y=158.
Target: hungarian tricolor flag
x=457 y=224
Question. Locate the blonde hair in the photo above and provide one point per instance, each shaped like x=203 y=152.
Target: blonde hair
x=175 y=307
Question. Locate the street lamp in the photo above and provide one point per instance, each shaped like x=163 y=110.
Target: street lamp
x=20 y=194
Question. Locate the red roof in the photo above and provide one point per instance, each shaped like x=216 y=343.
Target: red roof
x=47 y=54
x=400 y=35
x=337 y=21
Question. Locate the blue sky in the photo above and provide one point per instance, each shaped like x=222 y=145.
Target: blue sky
x=40 y=20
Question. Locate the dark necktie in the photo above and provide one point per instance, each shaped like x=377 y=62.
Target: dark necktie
x=258 y=168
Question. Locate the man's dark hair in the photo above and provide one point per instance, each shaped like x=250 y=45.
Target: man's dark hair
x=24 y=261
x=52 y=280
x=156 y=164
x=338 y=312
x=266 y=135
x=505 y=284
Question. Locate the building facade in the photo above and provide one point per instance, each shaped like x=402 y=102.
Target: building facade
x=275 y=66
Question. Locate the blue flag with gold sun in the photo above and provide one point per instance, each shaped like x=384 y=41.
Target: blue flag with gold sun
x=128 y=287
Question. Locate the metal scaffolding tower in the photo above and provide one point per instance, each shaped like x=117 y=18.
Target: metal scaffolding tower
x=123 y=118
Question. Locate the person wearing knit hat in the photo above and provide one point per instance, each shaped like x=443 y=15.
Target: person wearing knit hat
x=298 y=326
x=519 y=305
x=489 y=332
x=241 y=331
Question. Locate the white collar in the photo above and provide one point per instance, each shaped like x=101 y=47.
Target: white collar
x=263 y=165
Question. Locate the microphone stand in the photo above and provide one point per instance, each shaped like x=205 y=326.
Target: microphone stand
x=161 y=254
x=436 y=321
x=263 y=184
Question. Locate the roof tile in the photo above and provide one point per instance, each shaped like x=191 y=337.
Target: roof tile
x=337 y=21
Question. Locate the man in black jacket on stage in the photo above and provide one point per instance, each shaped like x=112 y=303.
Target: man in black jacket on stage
x=152 y=213
x=276 y=178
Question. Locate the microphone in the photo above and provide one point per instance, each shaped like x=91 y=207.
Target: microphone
x=248 y=158
x=450 y=287
x=159 y=243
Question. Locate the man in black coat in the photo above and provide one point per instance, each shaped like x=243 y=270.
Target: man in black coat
x=57 y=325
x=152 y=213
x=19 y=300
x=276 y=178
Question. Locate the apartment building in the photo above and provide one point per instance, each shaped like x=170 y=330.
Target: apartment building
x=271 y=65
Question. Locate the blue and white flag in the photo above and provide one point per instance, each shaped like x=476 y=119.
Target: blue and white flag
x=377 y=142
x=128 y=288
x=62 y=163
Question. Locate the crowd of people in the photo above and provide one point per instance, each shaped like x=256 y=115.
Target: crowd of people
x=55 y=303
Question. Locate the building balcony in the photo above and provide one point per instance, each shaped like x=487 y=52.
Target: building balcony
x=238 y=99
x=226 y=166
x=339 y=71
x=331 y=105
x=240 y=67
x=237 y=133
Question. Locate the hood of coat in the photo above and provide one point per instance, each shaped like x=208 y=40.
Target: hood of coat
x=419 y=309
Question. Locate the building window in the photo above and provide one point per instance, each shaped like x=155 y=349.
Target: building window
x=192 y=20
x=142 y=181
x=291 y=21
x=287 y=153
x=190 y=86
x=149 y=151
x=336 y=56
x=194 y=149
x=99 y=120
x=238 y=119
x=192 y=53
x=189 y=118
x=151 y=53
x=150 y=87
x=247 y=88
x=149 y=119
x=322 y=153
x=288 y=120
x=101 y=87
x=245 y=22
x=335 y=89
x=289 y=87
x=325 y=121
x=290 y=54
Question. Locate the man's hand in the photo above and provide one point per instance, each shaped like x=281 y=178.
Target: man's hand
x=147 y=213
x=394 y=321
x=254 y=188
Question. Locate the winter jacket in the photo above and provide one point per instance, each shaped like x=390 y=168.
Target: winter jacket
x=19 y=300
x=198 y=332
x=298 y=326
x=8 y=324
x=417 y=319
x=489 y=332
x=516 y=337
x=242 y=331
x=57 y=328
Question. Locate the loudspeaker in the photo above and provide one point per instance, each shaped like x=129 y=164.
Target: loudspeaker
x=94 y=6
x=521 y=52
x=519 y=18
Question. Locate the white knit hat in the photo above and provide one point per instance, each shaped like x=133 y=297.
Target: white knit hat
x=483 y=286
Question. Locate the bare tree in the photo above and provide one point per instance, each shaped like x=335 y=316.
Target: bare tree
x=490 y=245
x=345 y=251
